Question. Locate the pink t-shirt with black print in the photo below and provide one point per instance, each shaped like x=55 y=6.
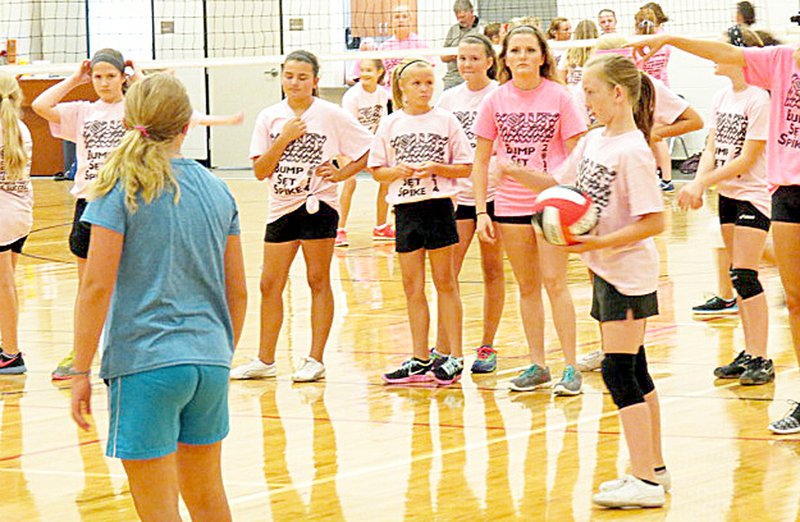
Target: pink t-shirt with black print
x=16 y=197
x=741 y=116
x=530 y=129
x=330 y=132
x=464 y=103
x=369 y=108
x=773 y=68
x=434 y=136
x=619 y=174
x=96 y=129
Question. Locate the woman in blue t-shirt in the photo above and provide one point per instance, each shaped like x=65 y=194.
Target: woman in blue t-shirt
x=165 y=274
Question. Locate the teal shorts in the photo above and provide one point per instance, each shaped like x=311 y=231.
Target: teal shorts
x=151 y=412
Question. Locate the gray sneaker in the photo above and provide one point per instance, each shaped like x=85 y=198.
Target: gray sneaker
x=591 y=362
x=531 y=378
x=570 y=383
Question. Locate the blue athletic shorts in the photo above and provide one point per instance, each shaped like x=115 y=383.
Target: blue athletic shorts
x=151 y=412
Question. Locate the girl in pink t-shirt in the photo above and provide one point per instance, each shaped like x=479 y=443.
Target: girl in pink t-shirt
x=421 y=151
x=368 y=103
x=96 y=128
x=477 y=64
x=776 y=69
x=735 y=160
x=295 y=146
x=16 y=215
x=615 y=166
x=531 y=121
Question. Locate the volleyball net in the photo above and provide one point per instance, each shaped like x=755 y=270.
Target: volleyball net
x=66 y=31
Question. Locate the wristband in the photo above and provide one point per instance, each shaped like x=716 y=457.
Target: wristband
x=479 y=213
x=87 y=373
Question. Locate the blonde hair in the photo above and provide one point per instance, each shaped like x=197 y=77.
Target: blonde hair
x=555 y=24
x=524 y=20
x=615 y=70
x=15 y=156
x=548 y=67
x=611 y=41
x=157 y=109
x=397 y=74
x=578 y=56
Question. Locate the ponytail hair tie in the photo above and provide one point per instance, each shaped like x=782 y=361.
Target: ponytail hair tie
x=142 y=129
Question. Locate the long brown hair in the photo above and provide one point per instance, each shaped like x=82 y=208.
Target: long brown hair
x=548 y=67
x=488 y=48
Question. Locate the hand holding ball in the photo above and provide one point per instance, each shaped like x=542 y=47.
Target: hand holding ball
x=562 y=212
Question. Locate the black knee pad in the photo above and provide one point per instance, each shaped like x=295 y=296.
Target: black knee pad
x=746 y=283
x=642 y=373
x=619 y=374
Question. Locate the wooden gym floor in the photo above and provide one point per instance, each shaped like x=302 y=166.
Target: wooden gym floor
x=350 y=448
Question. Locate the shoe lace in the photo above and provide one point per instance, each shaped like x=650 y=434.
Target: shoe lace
x=485 y=351
x=530 y=371
x=450 y=365
x=795 y=411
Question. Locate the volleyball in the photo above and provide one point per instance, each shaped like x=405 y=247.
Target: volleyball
x=563 y=212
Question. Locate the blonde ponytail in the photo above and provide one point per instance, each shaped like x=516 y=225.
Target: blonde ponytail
x=15 y=156
x=157 y=110
x=397 y=75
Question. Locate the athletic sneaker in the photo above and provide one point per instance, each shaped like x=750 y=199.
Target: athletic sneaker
x=255 y=369
x=631 y=493
x=437 y=358
x=717 y=306
x=412 y=370
x=531 y=378
x=311 y=370
x=667 y=186
x=12 y=364
x=590 y=362
x=384 y=232
x=758 y=371
x=341 y=238
x=735 y=369
x=662 y=477
x=486 y=361
x=449 y=371
x=571 y=382
x=790 y=423
x=65 y=369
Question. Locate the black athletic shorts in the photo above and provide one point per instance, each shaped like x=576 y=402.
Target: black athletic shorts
x=428 y=224
x=514 y=220
x=741 y=213
x=608 y=304
x=15 y=247
x=299 y=225
x=80 y=234
x=468 y=212
x=786 y=204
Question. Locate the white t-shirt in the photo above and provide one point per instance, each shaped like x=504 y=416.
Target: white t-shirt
x=96 y=129
x=369 y=108
x=464 y=104
x=435 y=136
x=741 y=116
x=16 y=197
x=330 y=132
x=619 y=174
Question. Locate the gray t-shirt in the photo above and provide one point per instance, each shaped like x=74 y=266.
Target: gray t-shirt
x=453 y=38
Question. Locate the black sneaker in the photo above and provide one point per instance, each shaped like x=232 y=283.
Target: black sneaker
x=413 y=370
x=790 y=423
x=735 y=369
x=758 y=371
x=449 y=371
x=716 y=306
x=12 y=364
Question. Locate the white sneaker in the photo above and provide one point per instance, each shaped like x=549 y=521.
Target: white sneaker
x=255 y=369
x=662 y=477
x=632 y=493
x=311 y=370
x=590 y=362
